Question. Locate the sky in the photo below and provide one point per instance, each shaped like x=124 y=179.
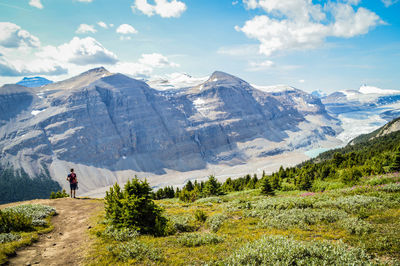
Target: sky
x=312 y=45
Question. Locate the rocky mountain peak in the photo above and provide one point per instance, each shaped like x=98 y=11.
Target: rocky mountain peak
x=81 y=80
x=221 y=79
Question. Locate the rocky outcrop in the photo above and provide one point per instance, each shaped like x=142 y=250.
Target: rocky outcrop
x=111 y=123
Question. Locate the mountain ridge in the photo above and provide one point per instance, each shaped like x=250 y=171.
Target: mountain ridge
x=110 y=126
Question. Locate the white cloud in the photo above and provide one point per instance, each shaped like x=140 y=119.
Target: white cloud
x=126 y=29
x=144 y=67
x=164 y=8
x=36 y=3
x=12 y=36
x=102 y=24
x=388 y=3
x=302 y=81
x=257 y=66
x=156 y=60
x=300 y=24
x=78 y=51
x=85 y=28
x=239 y=50
x=131 y=68
x=85 y=1
x=35 y=67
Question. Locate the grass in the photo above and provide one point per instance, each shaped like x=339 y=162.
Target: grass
x=359 y=225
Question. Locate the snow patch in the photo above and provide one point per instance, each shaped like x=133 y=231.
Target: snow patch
x=198 y=102
x=374 y=90
x=36 y=112
x=214 y=80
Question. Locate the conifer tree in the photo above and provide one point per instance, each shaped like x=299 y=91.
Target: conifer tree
x=395 y=166
x=265 y=187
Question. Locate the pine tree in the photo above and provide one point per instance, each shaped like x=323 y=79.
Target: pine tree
x=395 y=166
x=189 y=186
x=212 y=187
x=265 y=187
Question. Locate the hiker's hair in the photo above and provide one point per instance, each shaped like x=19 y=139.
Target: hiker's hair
x=72 y=169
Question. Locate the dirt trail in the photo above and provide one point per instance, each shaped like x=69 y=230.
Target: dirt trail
x=68 y=242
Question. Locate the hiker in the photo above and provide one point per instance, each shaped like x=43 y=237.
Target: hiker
x=73 y=181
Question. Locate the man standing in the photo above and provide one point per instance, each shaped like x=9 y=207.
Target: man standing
x=73 y=181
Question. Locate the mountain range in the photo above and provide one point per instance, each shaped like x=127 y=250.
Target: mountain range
x=110 y=127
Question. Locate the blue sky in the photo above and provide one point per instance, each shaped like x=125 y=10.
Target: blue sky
x=312 y=45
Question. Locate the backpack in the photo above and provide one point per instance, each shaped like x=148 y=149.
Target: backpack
x=72 y=178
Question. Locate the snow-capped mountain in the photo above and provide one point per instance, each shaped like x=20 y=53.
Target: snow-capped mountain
x=110 y=127
x=34 y=82
x=175 y=81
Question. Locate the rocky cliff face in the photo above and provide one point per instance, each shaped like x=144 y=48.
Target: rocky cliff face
x=109 y=124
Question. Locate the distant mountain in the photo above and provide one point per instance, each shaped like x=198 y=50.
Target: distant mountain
x=109 y=126
x=34 y=82
x=364 y=110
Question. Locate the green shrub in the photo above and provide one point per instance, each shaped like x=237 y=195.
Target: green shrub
x=352 y=204
x=59 y=194
x=216 y=221
x=350 y=175
x=288 y=186
x=322 y=185
x=24 y=217
x=356 y=226
x=392 y=188
x=35 y=211
x=134 y=249
x=200 y=216
x=134 y=208
x=183 y=223
x=301 y=218
x=278 y=250
x=9 y=237
x=11 y=220
x=120 y=234
x=198 y=239
x=188 y=196
x=285 y=203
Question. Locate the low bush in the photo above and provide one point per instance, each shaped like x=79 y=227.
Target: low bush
x=301 y=218
x=14 y=221
x=323 y=185
x=278 y=250
x=284 y=203
x=392 y=188
x=35 y=211
x=134 y=249
x=59 y=194
x=199 y=239
x=352 y=204
x=356 y=226
x=24 y=217
x=216 y=221
x=120 y=234
x=200 y=216
x=183 y=223
x=9 y=237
